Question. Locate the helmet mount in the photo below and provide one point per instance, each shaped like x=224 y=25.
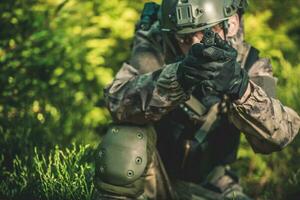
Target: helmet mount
x=189 y=16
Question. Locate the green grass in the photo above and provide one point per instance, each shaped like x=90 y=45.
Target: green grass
x=63 y=174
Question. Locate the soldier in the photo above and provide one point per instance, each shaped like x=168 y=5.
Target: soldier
x=191 y=86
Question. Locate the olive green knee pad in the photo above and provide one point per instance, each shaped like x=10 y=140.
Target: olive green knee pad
x=122 y=158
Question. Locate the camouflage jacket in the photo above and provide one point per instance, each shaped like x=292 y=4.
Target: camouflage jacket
x=146 y=90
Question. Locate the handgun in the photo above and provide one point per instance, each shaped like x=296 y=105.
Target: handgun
x=208 y=37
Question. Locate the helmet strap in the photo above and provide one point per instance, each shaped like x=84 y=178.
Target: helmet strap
x=225 y=29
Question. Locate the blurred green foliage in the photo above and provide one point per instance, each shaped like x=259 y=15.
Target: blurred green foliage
x=56 y=56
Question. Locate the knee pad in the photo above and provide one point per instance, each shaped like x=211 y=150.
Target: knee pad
x=122 y=155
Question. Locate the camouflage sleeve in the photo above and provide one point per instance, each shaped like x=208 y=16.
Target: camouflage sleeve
x=146 y=89
x=268 y=125
x=141 y=98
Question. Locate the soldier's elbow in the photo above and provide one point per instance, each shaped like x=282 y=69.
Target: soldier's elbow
x=267 y=146
x=275 y=146
x=268 y=149
x=122 y=116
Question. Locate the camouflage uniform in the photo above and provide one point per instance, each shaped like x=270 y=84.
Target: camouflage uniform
x=146 y=91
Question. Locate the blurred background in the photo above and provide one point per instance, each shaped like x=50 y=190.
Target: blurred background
x=56 y=56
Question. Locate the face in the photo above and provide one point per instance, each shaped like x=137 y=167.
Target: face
x=186 y=41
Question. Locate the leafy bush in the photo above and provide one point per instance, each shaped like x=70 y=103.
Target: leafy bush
x=56 y=57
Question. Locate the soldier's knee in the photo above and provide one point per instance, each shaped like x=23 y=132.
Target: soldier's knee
x=122 y=159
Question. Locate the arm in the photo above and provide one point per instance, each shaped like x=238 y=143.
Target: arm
x=268 y=125
x=145 y=89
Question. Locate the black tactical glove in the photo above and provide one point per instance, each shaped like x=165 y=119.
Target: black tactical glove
x=230 y=78
x=196 y=67
x=195 y=71
x=214 y=70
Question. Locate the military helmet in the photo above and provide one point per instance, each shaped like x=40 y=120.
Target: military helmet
x=188 y=16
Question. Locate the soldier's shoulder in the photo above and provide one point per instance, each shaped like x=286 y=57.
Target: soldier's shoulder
x=253 y=62
x=261 y=66
x=151 y=33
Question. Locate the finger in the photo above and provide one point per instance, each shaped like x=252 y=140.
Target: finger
x=190 y=61
x=203 y=64
x=195 y=62
x=214 y=53
x=196 y=78
x=211 y=68
x=208 y=87
x=222 y=43
x=196 y=50
x=226 y=46
x=202 y=74
x=208 y=83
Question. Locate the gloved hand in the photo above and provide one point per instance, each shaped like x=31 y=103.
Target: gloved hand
x=196 y=67
x=230 y=78
x=213 y=70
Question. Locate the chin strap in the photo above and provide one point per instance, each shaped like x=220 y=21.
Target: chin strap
x=225 y=29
